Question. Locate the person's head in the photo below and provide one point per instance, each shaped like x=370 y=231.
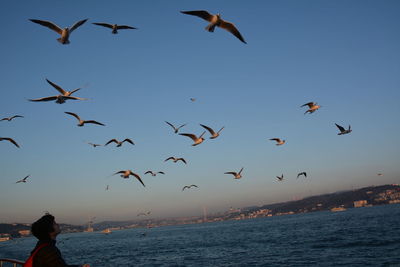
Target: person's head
x=45 y=228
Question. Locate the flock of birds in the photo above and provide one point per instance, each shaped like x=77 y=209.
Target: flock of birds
x=64 y=95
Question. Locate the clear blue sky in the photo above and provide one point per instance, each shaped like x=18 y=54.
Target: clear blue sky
x=342 y=54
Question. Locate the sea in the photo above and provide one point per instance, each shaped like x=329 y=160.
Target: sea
x=368 y=236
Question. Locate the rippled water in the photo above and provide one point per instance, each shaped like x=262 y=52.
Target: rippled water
x=356 y=237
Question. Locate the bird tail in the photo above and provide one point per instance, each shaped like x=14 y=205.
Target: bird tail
x=114 y=31
x=210 y=27
x=63 y=41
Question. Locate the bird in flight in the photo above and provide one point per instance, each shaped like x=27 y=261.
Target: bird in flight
x=279 y=142
x=10 y=140
x=196 y=140
x=213 y=134
x=120 y=143
x=192 y=99
x=380 y=174
x=64 y=39
x=115 y=27
x=144 y=213
x=12 y=117
x=127 y=173
x=60 y=99
x=153 y=173
x=93 y=145
x=189 y=186
x=301 y=173
x=176 y=159
x=215 y=20
x=173 y=127
x=280 y=178
x=82 y=122
x=107 y=187
x=343 y=130
x=237 y=175
x=312 y=107
x=22 y=180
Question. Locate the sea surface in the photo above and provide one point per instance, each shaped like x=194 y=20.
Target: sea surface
x=367 y=236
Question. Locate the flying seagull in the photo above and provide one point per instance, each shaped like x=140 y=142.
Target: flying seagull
x=312 y=107
x=192 y=99
x=22 y=180
x=302 y=173
x=196 y=140
x=189 y=186
x=280 y=178
x=279 y=142
x=343 y=130
x=380 y=174
x=107 y=187
x=82 y=122
x=127 y=173
x=144 y=213
x=63 y=32
x=173 y=127
x=119 y=143
x=215 y=20
x=176 y=159
x=12 y=117
x=94 y=145
x=237 y=175
x=60 y=99
x=10 y=140
x=213 y=134
x=115 y=27
x=153 y=173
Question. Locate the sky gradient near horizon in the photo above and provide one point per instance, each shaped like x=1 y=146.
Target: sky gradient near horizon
x=342 y=54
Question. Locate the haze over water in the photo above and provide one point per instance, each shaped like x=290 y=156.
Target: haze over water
x=342 y=54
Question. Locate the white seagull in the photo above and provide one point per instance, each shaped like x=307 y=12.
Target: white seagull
x=10 y=140
x=115 y=27
x=12 y=117
x=176 y=159
x=196 y=140
x=312 y=107
x=153 y=173
x=279 y=142
x=237 y=175
x=22 y=180
x=189 y=186
x=215 y=20
x=213 y=134
x=82 y=122
x=127 y=173
x=173 y=127
x=63 y=32
x=343 y=130
x=60 y=99
x=119 y=143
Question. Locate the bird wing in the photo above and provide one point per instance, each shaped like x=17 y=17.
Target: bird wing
x=275 y=139
x=170 y=125
x=233 y=173
x=148 y=172
x=74 y=98
x=181 y=126
x=104 y=25
x=194 y=185
x=48 y=24
x=26 y=177
x=76 y=25
x=112 y=140
x=208 y=129
x=137 y=177
x=240 y=170
x=230 y=27
x=199 y=13
x=161 y=172
x=10 y=140
x=119 y=172
x=129 y=141
x=49 y=98
x=340 y=127
x=169 y=158
x=221 y=129
x=73 y=91
x=94 y=122
x=125 y=27
x=73 y=114
x=182 y=159
x=57 y=87
x=309 y=104
x=19 y=116
x=185 y=187
x=192 y=136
